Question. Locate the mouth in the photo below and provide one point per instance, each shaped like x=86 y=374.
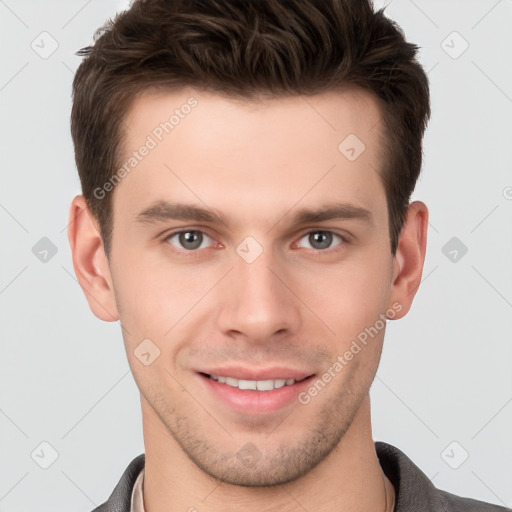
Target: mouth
x=254 y=393
x=253 y=385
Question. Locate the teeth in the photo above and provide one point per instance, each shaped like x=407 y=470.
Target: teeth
x=279 y=383
x=247 y=384
x=230 y=381
x=265 y=385
x=260 y=385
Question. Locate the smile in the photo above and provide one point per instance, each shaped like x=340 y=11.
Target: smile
x=255 y=385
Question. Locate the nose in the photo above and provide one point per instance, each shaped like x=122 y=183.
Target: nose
x=260 y=304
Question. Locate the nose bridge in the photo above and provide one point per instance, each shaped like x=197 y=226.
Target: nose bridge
x=259 y=304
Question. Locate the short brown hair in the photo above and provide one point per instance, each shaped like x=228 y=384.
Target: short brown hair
x=246 y=49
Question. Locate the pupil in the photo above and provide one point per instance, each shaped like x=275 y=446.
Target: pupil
x=320 y=239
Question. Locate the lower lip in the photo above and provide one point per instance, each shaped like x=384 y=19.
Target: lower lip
x=252 y=401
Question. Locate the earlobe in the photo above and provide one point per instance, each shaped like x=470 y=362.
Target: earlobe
x=410 y=257
x=90 y=262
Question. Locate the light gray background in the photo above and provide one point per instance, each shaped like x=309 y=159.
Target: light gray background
x=445 y=370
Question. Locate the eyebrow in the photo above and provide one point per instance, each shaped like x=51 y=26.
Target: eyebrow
x=163 y=210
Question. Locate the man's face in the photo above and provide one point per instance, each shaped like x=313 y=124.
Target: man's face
x=264 y=294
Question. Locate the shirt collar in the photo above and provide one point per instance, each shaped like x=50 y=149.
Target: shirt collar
x=137 y=499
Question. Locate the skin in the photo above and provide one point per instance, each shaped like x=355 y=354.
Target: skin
x=296 y=305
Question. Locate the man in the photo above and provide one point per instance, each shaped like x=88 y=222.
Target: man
x=246 y=170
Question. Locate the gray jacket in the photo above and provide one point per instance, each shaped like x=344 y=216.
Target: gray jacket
x=414 y=491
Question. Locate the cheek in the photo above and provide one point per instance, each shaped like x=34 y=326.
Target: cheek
x=156 y=297
x=347 y=297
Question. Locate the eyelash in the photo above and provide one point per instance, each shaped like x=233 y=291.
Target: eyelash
x=196 y=252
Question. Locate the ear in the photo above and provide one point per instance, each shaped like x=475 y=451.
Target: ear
x=409 y=258
x=90 y=261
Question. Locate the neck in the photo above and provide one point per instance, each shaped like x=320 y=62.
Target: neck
x=349 y=478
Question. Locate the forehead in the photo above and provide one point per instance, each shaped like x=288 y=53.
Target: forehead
x=159 y=112
x=252 y=156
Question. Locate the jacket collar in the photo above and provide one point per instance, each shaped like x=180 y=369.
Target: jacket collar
x=414 y=491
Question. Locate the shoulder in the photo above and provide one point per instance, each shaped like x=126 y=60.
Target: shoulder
x=120 y=499
x=416 y=493
x=456 y=503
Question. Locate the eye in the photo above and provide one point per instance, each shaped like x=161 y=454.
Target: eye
x=320 y=240
x=189 y=240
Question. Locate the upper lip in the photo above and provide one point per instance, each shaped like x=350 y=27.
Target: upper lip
x=271 y=373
